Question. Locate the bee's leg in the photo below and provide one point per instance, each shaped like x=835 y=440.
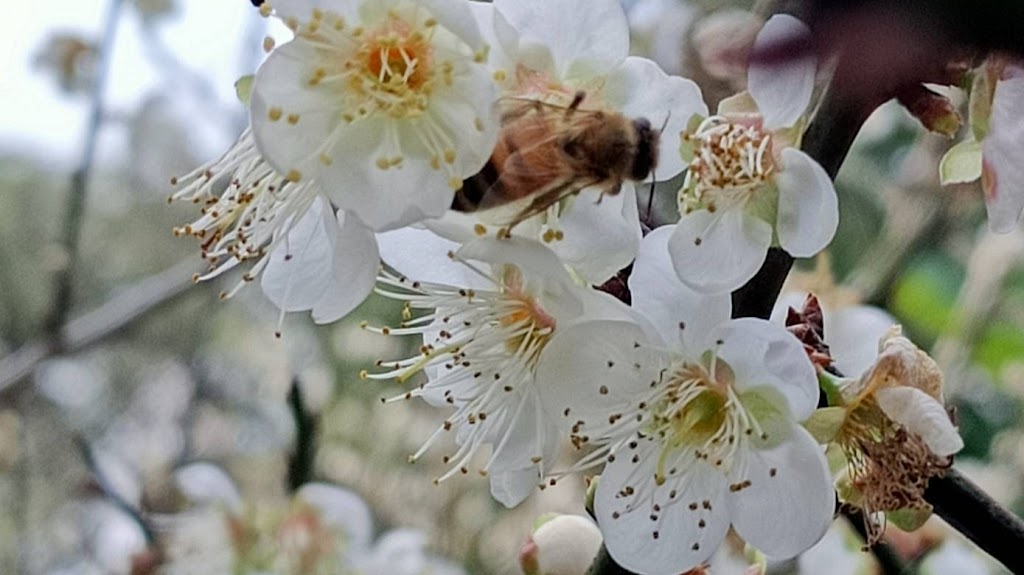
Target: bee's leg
x=611 y=190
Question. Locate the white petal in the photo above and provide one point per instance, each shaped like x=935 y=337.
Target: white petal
x=513 y=473
x=543 y=272
x=205 y=483
x=422 y=255
x=922 y=416
x=301 y=267
x=582 y=38
x=302 y=10
x=596 y=368
x=790 y=502
x=600 y=238
x=732 y=248
x=355 y=265
x=808 y=208
x=384 y=199
x=682 y=542
x=762 y=353
x=852 y=335
x=282 y=83
x=456 y=17
x=676 y=311
x=639 y=88
x=1003 y=170
x=340 y=508
x=782 y=90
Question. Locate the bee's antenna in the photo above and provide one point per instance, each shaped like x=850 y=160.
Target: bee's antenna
x=664 y=124
x=650 y=197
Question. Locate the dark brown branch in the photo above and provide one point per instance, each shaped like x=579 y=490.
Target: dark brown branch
x=972 y=512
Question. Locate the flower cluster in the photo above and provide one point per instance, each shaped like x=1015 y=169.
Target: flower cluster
x=478 y=163
x=323 y=529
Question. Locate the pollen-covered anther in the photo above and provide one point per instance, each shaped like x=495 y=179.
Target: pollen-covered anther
x=731 y=160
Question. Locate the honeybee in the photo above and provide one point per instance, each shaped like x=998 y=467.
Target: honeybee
x=547 y=152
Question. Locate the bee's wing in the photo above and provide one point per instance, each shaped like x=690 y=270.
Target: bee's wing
x=528 y=171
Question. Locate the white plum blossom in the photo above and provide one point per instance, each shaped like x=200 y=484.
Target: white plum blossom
x=993 y=147
x=891 y=429
x=748 y=186
x=549 y=52
x=386 y=103
x=485 y=315
x=310 y=257
x=697 y=418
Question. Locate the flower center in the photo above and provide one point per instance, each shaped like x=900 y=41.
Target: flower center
x=389 y=70
x=701 y=418
x=730 y=160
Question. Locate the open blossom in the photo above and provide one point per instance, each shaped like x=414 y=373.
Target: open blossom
x=386 y=103
x=992 y=151
x=892 y=427
x=696 y=417
x=484 y=327
x=748 y=185
x=310 y=257
x=549 y=52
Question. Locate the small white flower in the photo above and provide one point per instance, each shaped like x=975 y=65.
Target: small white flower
x=992 y=151
x=550 y=51
x=696 y=418
x=387 y=103
x=484 y=329
x=747 y=186
x=310 y=257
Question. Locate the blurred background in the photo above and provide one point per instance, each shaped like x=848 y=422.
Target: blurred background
x=116 y=371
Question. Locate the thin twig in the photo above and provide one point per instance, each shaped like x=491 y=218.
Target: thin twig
x=73 y=216
x=124 y=309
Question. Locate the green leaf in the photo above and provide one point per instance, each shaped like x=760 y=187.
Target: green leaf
x=243 y=89
x=961 y=163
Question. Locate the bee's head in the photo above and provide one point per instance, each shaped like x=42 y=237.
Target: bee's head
x=646 y=157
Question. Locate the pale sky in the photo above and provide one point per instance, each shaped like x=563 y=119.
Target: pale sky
x=216 y=38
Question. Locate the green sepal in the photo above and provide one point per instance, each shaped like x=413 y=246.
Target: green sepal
x=832 y=386
x=961 y=163
x=824 y=423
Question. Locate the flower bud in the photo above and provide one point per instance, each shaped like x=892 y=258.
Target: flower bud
x=560 y=545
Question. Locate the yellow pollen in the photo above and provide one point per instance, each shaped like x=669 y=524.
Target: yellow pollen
x=455 y=183
x=268 y=44
x=274 y=114
x=293 y=119
x=326 y=160
x=293 y=176
x=479 y=230
x=266 y=9
x=383 y=163
x=449 y=156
